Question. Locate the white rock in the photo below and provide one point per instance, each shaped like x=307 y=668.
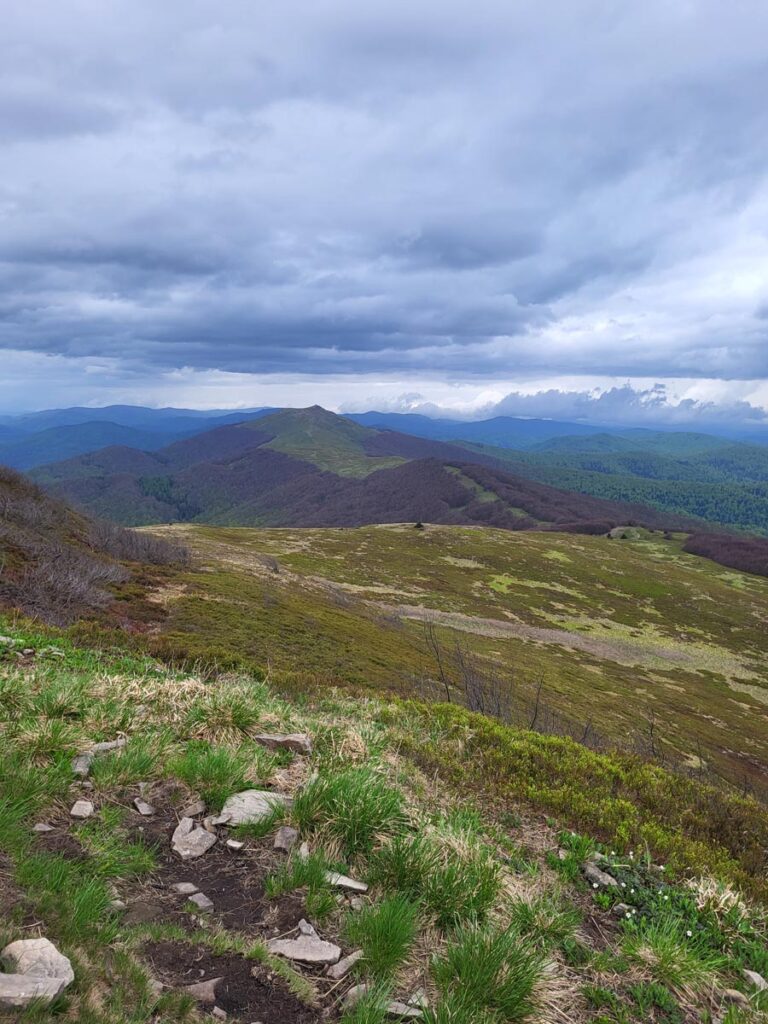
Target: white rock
x=145 y=809
x=355 y=994
x=42 y=826
x=193 y=810
x=39 y=958
x=235 y=844
x=218 y=1013
x=285 y=838
x=82 y=809
x=402 y=1011
x=201 y=901
x=344 y=966
x=251 y=806
x=757 y=980
x=191 y=841
x=19 y=990
x=303 y=852
x=298 y=742
x=306 y=928
x=307 y=949
x=185 y=888
x=107 y=745
x=356 y=903
x=344 y=882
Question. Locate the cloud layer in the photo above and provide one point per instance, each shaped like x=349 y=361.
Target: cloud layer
x=485 y=190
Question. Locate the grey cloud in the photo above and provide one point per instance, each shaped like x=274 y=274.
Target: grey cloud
x=472 y=189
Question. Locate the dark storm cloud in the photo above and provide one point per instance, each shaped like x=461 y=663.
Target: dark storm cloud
x=470 y=189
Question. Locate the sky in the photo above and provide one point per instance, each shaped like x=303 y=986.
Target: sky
x=554 y=208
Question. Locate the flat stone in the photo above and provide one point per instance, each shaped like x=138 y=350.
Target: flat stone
x=303 y=851
x=185 y=888
x=193 y=810
x=286 y=838
x=344 y=882
x=38 y=958
x=201 y=901
x=306 y=949
x=306 y=928
x=147 y=810
x=621 y=909
x=356 y=903
x=402 y=1011
x=203 y=991
x=190 y=841
x=82 y=809
x=19 y=990
x=756 y=980
x=81 y=764
x=252 y=806
x=419 y=998
x=118 y=905
x=344 y=966
x=235 y=844
x=298 y=742
x=595 y=876
x=218 y=1013
x=107 y=745
x=43 y=826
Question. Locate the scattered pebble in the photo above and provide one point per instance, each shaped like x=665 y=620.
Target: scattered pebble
x=286 y=838
x=42 y=826
x=235 y=844
x=344 y=966
x=201 y=901
x=143 y=807
x=185 y=888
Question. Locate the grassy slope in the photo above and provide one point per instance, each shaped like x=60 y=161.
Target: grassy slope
x=619 y=632
x=438 y=809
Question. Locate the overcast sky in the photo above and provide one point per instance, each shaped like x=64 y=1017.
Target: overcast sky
x=485 y=205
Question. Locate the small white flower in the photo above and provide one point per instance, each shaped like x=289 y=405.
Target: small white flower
x=633 y=910
x=594 y=885
x=689 y=933
x=613 y=853
x=666 y=897
x=628 y=915
x=661 y=867
x=623 y=885
x=632 y=891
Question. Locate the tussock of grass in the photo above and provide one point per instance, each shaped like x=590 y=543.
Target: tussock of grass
x=452 y=881
x=213 y=772
x=355 y=806
x=672 y=957
x=385 y=932
x=485 y=975
x=546 y=921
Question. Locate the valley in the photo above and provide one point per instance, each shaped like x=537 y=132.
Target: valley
x=629 y=642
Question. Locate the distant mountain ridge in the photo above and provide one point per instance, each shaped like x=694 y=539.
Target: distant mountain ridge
x=310 y=467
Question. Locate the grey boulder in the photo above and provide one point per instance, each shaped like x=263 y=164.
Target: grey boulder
x=306 y=949
x=298 y=742
x=252 y=806
x=190 y=841
x=37 y=970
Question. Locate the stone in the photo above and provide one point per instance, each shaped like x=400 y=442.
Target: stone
x=38 y=957
x=286 y=838
x=756 y=980
x=306 y=928
x=107 y=745
x=185 y=888
x=147 y=810
x=734 y=997
x=7 y=641
x=43 y=826
x=203 y=991
x=344 y=882
x=298 y=742
x=419 y=998
x=356 y=903
x=190 y=841
x=19 y=990
x=252 y=806
x=201 y=901
x=306 y=949
x=595 y=876
x=402 y=1011
x=339 y=970
x=118 y=904
x=621 y=909
x=355 y=994
x=193 y=810
x=210 y=823
x=235 y=844
x=81 y=764
x=82 y=809
x=218 y=1013
x=303 y=852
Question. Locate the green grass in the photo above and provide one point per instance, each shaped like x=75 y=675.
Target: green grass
x=385 y=932
x=355 y=807
x=213 y=772
x=485 y=974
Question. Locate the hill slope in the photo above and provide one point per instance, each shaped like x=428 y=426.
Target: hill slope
x=58 y=564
